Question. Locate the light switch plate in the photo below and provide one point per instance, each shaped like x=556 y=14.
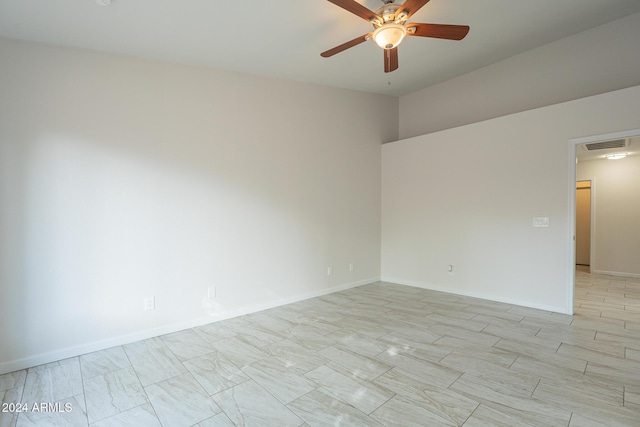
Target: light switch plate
x=541 y=221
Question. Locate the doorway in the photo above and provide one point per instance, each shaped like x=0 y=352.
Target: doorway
x=572 y=219
x=583 y=223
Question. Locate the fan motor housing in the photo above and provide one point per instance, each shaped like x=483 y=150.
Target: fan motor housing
x=387 y=12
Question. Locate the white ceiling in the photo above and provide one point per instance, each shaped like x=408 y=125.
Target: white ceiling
x=284 y=39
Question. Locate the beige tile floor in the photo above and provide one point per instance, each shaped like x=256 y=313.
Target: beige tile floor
x=376 y=355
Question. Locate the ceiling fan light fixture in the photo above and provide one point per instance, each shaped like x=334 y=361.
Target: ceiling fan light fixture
x=390 y=27
x=389 y=35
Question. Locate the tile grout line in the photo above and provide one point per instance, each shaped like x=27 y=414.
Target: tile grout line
x=471 y=414
x=84 y=392
x=144 y=390
x=535 y=388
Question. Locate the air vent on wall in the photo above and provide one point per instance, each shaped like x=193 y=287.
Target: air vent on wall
x=616 y=143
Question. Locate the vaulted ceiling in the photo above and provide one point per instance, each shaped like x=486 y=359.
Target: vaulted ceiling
x=284 y=39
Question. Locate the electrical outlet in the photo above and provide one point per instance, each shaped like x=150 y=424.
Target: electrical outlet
x=350 y=266
x=450 y=270
x=329 y=271
x=149 y=303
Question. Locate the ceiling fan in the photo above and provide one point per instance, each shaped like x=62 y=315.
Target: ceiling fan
x=390 y=27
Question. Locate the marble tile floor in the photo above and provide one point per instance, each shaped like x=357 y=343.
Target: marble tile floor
x=377 y=355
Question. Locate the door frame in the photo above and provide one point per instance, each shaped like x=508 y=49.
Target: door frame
x=571 y=220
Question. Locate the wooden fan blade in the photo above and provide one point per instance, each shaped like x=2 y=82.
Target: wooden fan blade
x=346 y=45
x=390 y=60
x=439 y=31
x=356 y=8
x=411 y=6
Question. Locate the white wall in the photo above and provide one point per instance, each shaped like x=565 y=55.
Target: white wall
x=617 y=211
x=467 y=197
x=123 y=178
x=598 y=60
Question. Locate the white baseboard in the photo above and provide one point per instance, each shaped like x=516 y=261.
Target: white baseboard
x=615 y=273
x=40 y=359
x=431 y=287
